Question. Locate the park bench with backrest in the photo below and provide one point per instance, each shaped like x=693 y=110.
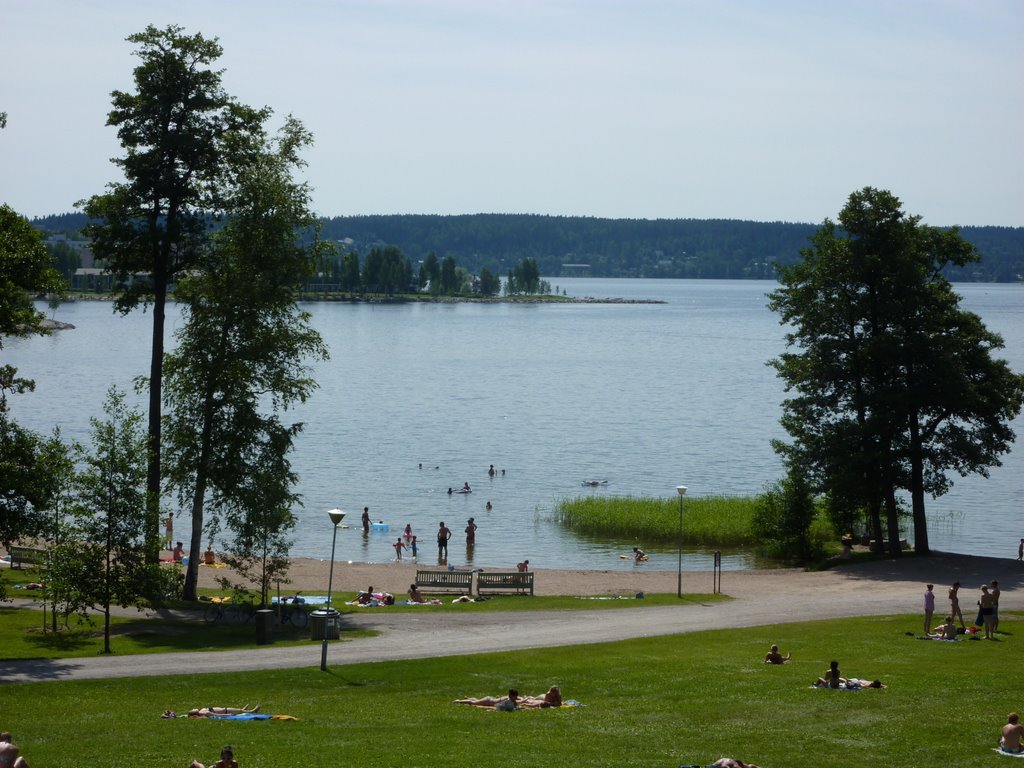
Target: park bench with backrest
x=26 y=556
x=519 y=582
x=435 y=581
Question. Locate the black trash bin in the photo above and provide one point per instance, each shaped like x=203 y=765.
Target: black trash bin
x=324 y=623
x=264 y=626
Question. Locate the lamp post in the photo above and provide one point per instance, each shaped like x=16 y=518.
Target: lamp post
x=681 y=490
x=336 y=516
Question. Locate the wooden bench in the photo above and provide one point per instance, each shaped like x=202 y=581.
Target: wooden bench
x=515 y=581
x=434 y=581
x=26 y=556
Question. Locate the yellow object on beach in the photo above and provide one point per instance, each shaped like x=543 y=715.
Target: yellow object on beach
x=213 y=565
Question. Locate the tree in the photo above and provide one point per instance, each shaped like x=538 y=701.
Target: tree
x=490 y=283
x=150 y=228
x=25 y=269
x=783 y=516
x=106 y=564
x=430 y=274
x=894 y=383
x=240 y=356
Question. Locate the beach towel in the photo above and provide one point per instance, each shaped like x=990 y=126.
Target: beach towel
x=1004 y=753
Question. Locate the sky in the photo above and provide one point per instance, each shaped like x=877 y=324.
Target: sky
x=764 y=110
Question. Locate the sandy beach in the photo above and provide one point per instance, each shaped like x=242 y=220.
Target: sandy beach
x=891 y=577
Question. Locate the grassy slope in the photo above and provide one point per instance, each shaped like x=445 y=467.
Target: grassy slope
x=653 y=702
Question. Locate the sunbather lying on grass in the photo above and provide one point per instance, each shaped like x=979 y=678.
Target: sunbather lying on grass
x=208 y=711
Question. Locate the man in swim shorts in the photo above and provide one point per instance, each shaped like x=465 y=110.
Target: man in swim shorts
x=1013 y=732
x=443 y=535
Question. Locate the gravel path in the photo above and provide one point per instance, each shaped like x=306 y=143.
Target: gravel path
x=759 y=598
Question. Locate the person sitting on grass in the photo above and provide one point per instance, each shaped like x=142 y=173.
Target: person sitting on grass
x=1012 y=735
x=227 y=760
x=211 y=711
x=10 y=756
x=508 y=703
x=774 y=657
x=832 y=678
x=945 y=631
x=731 y=762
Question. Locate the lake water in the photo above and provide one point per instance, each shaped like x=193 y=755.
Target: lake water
x=646 y=396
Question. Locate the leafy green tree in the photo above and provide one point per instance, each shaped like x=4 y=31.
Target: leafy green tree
x=490 y=283
x=26 y=269
x=449 y=280
x=259 y=519
x=350 y=279
x=783 y=516
x=176 y=129
x=430 y=273
x=106 y=564
x=894 y=384
x=239 y=361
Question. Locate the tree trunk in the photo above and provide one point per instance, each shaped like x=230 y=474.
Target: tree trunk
x=191 y=588
x=917 y=489
x=156 y=371
x=893 y=522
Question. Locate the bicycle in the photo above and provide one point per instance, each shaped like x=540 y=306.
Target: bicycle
x=222 y=609
x=291 y=613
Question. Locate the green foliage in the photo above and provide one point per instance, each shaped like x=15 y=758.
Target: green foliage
x=25 y=270
x=892 y=383
x=687 y=699
x=101 y=562
x=713 y=521
x=182 y=137
x=783 y=518
x=240 y=362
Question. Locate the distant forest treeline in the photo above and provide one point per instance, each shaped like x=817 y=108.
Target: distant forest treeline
x=577 y=245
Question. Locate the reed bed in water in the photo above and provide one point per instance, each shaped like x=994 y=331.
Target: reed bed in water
x=720 y=521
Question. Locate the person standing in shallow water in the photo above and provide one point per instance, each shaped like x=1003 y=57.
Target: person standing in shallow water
x=366 y=519
x=443 y=535
x=470 y=533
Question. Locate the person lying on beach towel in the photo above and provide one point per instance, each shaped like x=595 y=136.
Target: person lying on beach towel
x=551 y=698
x=509 y=703
x=212 y=711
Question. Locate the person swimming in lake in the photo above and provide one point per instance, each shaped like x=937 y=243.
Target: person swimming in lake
x=465 y=488
x=639 y=555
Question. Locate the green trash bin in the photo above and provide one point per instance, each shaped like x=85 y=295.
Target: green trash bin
x=264 y=626
x=324 y=623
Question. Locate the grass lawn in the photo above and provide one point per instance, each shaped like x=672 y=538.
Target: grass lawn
x=661 y=701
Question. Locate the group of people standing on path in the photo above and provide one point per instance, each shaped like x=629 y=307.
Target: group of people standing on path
x=988 y=611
